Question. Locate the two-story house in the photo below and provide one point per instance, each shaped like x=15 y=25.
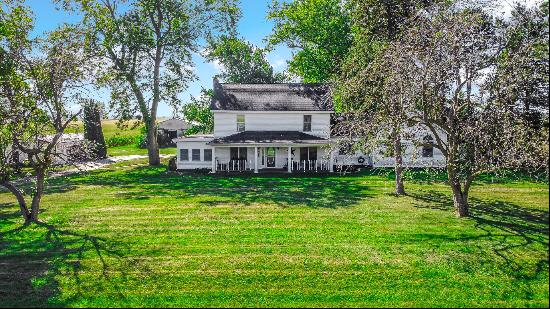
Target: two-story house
x=268 y=126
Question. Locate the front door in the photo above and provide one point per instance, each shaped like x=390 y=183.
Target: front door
x=270 y=156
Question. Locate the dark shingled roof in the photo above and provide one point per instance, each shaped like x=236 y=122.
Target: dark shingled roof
x=271 y=97
x=253 y=137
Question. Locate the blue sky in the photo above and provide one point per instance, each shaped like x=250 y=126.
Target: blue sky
x=253 y=26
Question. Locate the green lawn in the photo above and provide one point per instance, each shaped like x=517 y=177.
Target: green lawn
x=139 y=236
x=134 y=150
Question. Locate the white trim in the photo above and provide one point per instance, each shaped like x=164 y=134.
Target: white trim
x=238 y=111
x=270 y=145
x=214 y=161
x=194 y=138
x=256 y=159
x=289 y=159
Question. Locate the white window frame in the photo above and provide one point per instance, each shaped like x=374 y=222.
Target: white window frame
x=309 y=123
x=186 y=153
x=204 y=155
x=193 y=155
x=241 y=125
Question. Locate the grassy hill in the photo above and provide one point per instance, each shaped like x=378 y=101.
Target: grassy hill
x=139 y=236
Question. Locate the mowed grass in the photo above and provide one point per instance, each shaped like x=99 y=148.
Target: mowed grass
x=134 y=150
x=140 y=236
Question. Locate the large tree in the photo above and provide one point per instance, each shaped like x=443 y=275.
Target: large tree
x=145 y=47
x=40 y=80
x=198 y=113
x=241 y=62
x=319 y=32
x=523 y=69
x=447 y=59
x=372 y=121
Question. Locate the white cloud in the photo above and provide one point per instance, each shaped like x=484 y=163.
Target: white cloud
x=217 y=65
x=277 y=62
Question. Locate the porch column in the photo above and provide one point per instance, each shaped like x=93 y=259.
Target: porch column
x=289 y=159
x=331 y=161
x=255 y=159
x=213 y=160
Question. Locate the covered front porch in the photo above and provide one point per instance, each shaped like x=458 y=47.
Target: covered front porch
x=272 y=158
x=271 y=150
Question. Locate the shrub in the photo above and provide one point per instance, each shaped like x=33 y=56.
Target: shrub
x=116 y=141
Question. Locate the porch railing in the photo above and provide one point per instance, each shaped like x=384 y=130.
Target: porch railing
x=311 y=165
x=240 y=165
x=297 y=166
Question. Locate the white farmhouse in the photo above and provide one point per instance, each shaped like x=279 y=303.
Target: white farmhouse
x=269 y=127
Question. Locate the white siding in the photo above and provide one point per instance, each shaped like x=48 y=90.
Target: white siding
x=222 y=155
x=412 y=157
x=352 y=159
x=225 y=123
x=189 y=164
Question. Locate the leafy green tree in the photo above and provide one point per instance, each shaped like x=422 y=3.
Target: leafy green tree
x=523 y=68
x=144 y=49
x=319 y=31
x=377 y=120
x=199 y=114
x=241 y=61
x=442 y=72
x=39 y=80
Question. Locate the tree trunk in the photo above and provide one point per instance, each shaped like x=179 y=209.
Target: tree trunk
x=399 y=186
x=20 y=200
x=152 y=145
x=460 y=194
x=39 y=191
x=460 y=199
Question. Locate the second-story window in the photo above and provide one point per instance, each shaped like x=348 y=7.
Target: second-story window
x=428 y=148
x=307 y=123
x=240 y=123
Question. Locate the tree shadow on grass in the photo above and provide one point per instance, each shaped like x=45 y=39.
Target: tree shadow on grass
x=142 y=183
x=34 y=256
x=506 y=226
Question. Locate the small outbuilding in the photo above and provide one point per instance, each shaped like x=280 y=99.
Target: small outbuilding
x=170 y=129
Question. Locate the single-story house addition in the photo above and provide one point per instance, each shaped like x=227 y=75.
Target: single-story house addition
x=265 y=127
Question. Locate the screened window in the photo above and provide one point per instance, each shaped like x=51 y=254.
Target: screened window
x=208 y=155
x=184 y=155
x=307 y=123
x=196 y=154
x=428 y=148
x=308 y=153
x=240 y=123
x=238 y=153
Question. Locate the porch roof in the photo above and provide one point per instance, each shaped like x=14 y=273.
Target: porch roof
x=269 y=137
